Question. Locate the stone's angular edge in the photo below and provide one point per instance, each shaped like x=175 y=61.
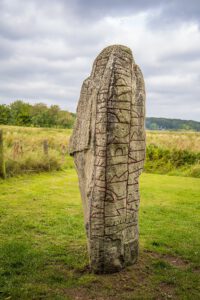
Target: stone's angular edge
x=80 y=138
x=108 y=145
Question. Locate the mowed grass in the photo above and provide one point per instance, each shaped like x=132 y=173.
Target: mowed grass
x=43 y=244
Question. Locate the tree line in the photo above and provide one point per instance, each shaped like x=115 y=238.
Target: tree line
x=171 y=124
x=38 y=115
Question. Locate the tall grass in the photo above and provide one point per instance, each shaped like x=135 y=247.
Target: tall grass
x=179 y=140
x=24 y=149
x=175 y=153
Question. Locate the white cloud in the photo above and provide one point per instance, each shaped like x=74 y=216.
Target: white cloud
x=47 y=50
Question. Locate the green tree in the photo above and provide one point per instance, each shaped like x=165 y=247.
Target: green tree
x=20 y=113
x=66 y=119
x=154 y=126
x=40 y=115
x=5 y=116
x=53 y=115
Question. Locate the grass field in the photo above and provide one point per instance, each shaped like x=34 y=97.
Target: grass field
x=185 y=140
x=43 y=251
x=24 y=150
x=174 y=153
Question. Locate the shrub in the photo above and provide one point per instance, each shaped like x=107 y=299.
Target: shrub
x=161 y=160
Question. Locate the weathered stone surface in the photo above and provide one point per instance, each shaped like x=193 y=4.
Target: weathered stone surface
x=108 y=145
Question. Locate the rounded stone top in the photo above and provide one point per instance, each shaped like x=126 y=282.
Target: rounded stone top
x=117 y=50
x=117 y=47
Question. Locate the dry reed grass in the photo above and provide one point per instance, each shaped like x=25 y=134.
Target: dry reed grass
x=24 y=149
x=179 y=140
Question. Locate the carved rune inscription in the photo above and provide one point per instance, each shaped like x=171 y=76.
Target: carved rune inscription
x=108 y=145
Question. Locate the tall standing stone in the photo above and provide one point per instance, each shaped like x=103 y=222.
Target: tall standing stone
x=108 y=145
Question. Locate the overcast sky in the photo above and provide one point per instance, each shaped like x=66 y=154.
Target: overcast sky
x=47 y=48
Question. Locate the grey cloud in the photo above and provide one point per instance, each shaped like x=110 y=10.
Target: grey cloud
x=95 y=9
x=176 y=107
x=170 y=11
x=47 y=49
x=182 y=56
x=177 y=11
x=5 y=49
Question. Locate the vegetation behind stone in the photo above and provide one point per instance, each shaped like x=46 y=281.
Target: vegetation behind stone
x=38 y=115
x=21 y=113
x=174 y=153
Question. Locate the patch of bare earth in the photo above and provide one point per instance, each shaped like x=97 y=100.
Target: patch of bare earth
x=166 y=291
x=134 y=282
x=131 y=281
x=174 y=261
x=196 y=270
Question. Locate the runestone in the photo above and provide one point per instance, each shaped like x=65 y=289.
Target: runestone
x=108 y=146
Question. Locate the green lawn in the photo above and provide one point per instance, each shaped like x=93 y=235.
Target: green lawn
x=43 y=251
